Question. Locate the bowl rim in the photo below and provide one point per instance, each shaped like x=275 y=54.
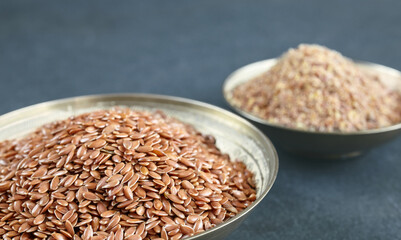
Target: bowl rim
x=248 y=115
x=172 y=99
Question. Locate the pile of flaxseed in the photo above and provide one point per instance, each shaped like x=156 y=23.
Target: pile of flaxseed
x=315 y=88
x=118 y=174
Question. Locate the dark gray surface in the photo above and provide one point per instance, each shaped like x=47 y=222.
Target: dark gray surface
x=55 y=49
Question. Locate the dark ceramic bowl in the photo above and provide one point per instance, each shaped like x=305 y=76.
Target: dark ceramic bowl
x=316 y=144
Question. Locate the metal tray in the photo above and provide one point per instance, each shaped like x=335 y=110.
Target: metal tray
x=234 y=135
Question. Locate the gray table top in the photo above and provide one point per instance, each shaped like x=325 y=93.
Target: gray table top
x=55 y=49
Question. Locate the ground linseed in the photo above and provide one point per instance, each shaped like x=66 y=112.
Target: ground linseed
x=315 y=88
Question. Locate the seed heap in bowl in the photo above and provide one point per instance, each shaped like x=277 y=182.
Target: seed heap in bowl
x=315 y=88
x=118 y=174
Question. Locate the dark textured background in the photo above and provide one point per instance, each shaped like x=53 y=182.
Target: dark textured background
x=56 y=49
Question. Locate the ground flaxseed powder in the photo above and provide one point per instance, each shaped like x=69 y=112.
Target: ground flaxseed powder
x=118 y=174
x=315 y=88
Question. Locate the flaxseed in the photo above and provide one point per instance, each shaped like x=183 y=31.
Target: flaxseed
x=117 y=174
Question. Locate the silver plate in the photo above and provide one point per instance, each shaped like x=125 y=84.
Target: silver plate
x=316 y=144
x=233 y=134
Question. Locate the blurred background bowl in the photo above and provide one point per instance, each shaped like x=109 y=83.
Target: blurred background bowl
x=328 y=145
x=234 y=135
